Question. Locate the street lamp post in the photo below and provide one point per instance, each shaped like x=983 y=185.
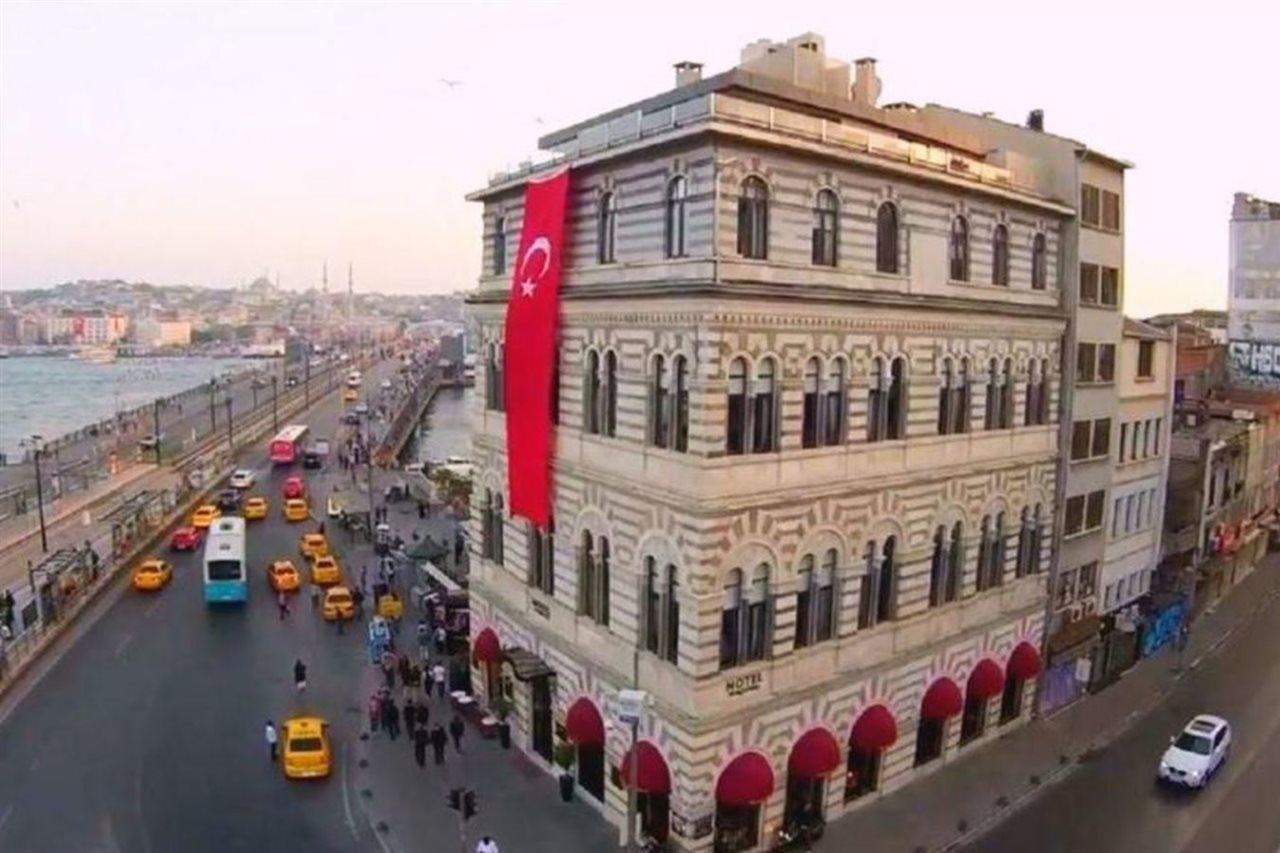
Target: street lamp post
x=231 y=438
x=213 y=411
x=630 y=706
x=306 y=382
x=155 y=425
x=36 y=449
x=275 y=415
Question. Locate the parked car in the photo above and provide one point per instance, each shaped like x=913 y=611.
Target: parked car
x=1195 y=754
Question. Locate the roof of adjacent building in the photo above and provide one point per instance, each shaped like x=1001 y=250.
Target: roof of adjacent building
x=1138 y=329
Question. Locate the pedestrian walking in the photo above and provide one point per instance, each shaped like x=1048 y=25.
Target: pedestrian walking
x=403 y=667
x=375 y=711
x=410 y=716
x=424 y=632
x=456 y=728
x=420 y=740
x=487 y=845
x=364 y=577
x=299 y=675
x=424 y=715
x=438 y=741
x=415 y=680
x=391 y=718
x=442 y=639
x=315 y=596
x=389 y=668
x=273 y=740
x=437 y=676
x=357 y=598
x=282 y=602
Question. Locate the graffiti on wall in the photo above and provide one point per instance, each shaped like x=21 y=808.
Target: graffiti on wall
x=1255 y=361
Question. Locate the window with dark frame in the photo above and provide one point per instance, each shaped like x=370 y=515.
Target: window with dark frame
x=1039 y=263
x=736 y=423
x=1090 y=205
x=1101 y=438
x=1106 y=362
x=1146 y=359
x=659 y=425
x=1088 y=284
x=959 y=249
x=607 y=228
x=1110 y=210
x=1086 y=362
x=826 y=229
x=887 y=238
x=680 y=399
x=1000 y=256
x=1109 y=287
x=677 y=216
x=753 y=219
x=499 y=245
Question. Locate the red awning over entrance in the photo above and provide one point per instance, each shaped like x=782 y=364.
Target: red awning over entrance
x=942 y=700
x=747 y=780
x=651 y=774
x=583 y=723
x=875 y=729
x=986 y=680
x=485 y=648
x=1024 y=663
x=815 y=754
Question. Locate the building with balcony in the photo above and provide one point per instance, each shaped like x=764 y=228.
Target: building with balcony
x=807 y=447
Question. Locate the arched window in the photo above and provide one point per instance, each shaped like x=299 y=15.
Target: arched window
x=938 y=567
x=1031 y=416
x=826 y=228
x=607 y=228
x=995 y=394
x=959 y=249
x=587 y=576
x=609 y=417
x=490 y=377
x=736 y=425
x=991 y=552
x=591 y=393
x=662 y=611
x=955 y=575
x=486 y=525
x=652 y=607
x=497 y=520
x=953 y=397
x=887 y=399
x=1006 y=400
x=1046 y=389
x=765 y=409
x=1022 y=564
x=896 y=405
x=680 y=392
x=1000 y=256
x=945 y=399
x=542 y=550
x=1037 y=539
x=812 y=395
x=878 y=593
x=677 y=217
x=659 y=408
x=834 y=403
x=731 y=620
x=998 y=551
x=602 y=583
x=887 y=238
x=804 y=602
x=825 y=597
x=499 y=245
x=671 y=651
x=757 y=639
x=753 y=219
x=1039 y=263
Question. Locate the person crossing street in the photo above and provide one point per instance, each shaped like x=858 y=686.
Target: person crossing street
x=273 y=740
x=456 y=729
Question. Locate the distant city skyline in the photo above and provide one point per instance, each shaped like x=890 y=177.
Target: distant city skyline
x=203 y=144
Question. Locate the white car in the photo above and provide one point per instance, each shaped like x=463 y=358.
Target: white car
x=1194 y=755
x=241 y=479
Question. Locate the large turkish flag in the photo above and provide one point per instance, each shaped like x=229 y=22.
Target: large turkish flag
x=531 y=333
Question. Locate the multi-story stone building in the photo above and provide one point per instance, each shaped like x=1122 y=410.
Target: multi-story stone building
x=807 y=449
x=1253 y=295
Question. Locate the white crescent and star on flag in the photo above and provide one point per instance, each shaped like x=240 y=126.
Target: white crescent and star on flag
x=529 y=284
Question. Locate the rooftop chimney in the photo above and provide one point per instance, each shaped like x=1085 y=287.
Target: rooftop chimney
x=1035 y=120
x=688 y=72
x=866 y=85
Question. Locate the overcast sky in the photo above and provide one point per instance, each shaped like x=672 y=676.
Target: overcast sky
x=205 y=144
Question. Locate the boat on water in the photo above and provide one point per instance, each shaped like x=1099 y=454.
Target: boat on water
x=95 y=355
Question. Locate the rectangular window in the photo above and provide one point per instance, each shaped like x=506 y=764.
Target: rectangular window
x=1115 y=518
x=1109 y=287
x=1106 y=362
x=1146 y=359
x=1074 y=515
x=1088 y=580
x=1124 y=434
x=1101 y=437
x=1080 y=440
x=1090 y=205
x=1094 y=509
x=1088 y=284
x=1110 y=211
x=1159 y=426
x=1086 y=362
x=499 y=245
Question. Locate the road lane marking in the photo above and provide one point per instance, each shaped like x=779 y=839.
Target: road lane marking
x=346 y=797
x=123 y=644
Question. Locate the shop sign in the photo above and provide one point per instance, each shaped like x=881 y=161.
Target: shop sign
x=741 y=684
x=541 y=608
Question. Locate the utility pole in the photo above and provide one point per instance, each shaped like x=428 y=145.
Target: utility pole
x=35 y=455
x=213 y=411
x=155 y=425
x=306 y=392
x=231 y=438
x=275 y=415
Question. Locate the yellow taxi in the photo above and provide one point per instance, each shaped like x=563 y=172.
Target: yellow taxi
x=284 y=576
x=205 y=515
x=152 y=574
x=390 y=607
x=338 y=604
x=306 y=753
x=313 y=545
x=255 y=508
x=325 y=571
x=295 y=509
x=350 y=395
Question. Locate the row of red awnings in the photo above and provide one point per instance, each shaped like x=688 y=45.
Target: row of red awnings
x=749 y=777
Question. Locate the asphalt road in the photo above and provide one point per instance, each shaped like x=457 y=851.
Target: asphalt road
x=147 y=733
x=1112 y=802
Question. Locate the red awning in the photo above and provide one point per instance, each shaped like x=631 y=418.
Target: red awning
x=652 y=776
x=986 y=680
x=942 y=700
x=485 y=648
x=875 y=729
x=747 y=780
x=1024 y=663
x=583 y=724
x=815 y=754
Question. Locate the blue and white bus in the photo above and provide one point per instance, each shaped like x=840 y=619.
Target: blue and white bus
x=226 y=577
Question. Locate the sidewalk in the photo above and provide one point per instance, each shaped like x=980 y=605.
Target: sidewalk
x=19 y=528
x=955 y=804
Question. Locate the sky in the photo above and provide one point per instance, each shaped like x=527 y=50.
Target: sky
x=209 y=143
